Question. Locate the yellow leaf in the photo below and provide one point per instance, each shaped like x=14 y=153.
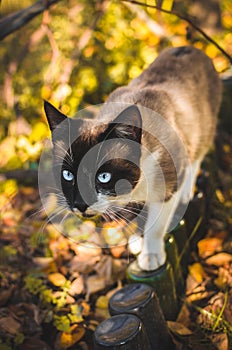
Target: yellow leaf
x=102 y=302
x=167 y=5
x=197 y=272
x=220 y=196
x=57 y=279
x=69 y=339
x=39 y=132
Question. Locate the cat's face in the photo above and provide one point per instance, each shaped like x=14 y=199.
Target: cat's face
x=96 y=166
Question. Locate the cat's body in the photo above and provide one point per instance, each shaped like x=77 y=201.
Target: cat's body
x=145 y=147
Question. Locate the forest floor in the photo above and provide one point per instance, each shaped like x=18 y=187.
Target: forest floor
x=54 y=292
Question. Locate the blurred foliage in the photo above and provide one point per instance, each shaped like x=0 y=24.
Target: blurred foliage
x=75 y=54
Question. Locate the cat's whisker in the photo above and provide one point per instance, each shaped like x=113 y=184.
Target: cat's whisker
x=133 y=212
x=65 y=154
x=117 y=218
x=37 y=212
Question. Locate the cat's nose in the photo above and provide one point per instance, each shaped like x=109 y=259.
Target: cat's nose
x=82 y=206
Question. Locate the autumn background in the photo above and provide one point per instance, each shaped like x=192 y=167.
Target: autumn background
x=74 y=53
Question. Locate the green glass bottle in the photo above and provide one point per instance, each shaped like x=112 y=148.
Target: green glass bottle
x=182 y=242
x=173 y=258
x=162 y=280
x=140 y=299
x=121 y=332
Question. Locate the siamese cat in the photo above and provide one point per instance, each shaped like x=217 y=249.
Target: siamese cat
x=144 y=147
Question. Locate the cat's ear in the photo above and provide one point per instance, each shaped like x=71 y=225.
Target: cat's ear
x=54 y=116
x=128 y=124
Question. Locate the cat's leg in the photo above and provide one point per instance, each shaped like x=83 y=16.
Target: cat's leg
x=159 y=217
x=188 y=190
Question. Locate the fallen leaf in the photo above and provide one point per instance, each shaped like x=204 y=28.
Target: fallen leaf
x=45 y=264
x=208 y=246
x=83 y=264
x=220 y=340
x=224 y=278
x=219 y=259
x=57 y=279
x=77 y=286
x=119 y=268
x=179 y=329
x=69 y=339
x=118 y=250
x=95 y=284
x=197 y=272
x=104 y=268
x=102 y=302
x=9 y=324
x=5 y=295
x=87 y=250
x=85 y=309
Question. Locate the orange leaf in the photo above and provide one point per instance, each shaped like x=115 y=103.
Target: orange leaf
x=118 y=250
x=57 y=279
x=208 y=246
x=85 y=309
x=219 y=259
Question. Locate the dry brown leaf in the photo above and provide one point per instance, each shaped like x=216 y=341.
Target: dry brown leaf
x=5 y=295
x=224 y=278
x=95 y=284
x=83 y=264
x=104 y=268
x=77 y=286
x=219 y=259
x=57 y=279
x=119 y=268
x=45 y=264
x=88 y=250
x=9 y=324
x=179 y=329
x=220 y=341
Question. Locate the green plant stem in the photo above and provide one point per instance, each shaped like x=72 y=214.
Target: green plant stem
x=219 y=317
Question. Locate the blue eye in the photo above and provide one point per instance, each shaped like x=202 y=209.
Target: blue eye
x=104 y=177
x=67 y=175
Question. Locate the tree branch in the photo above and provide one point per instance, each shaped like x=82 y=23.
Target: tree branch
x=14 y=21
x=154 y=27
x=187 y=19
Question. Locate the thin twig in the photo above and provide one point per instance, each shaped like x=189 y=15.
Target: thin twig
x=187 y=19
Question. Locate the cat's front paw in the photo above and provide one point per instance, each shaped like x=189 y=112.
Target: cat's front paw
x=150 y=262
